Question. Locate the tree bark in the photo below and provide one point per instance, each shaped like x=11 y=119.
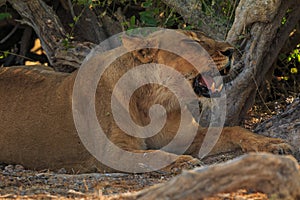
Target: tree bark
x=44 y=21
x=63 y=54
x=276 y=176
x=259 y=32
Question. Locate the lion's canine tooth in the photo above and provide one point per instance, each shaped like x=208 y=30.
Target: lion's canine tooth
x=220 y=87
x=213 y=87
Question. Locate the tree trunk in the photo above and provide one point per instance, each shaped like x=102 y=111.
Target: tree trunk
x=276 y=176
x=45 y=23
x=63 y=54
x=259 y=33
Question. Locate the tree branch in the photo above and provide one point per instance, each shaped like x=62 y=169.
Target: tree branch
x=276 y=176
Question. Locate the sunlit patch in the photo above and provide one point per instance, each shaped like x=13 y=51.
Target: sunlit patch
x=36 y=49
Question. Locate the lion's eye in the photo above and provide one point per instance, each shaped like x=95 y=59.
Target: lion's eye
x=190 y=41
x=205 y=45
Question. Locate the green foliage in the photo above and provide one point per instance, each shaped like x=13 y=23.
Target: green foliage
x=287 y=70
x=131 y=24
x=295 y=55
x=4 y=54
x=85 y=3
x=82 y=2
x=291 y=61
x=224 y=10
x=5 y=15
x=157 y=14
x=283 y=21
x=147 y=4
x=148 y=17
x=67 y=41
x=102 y=3
x=154 y=13
x=92 y=3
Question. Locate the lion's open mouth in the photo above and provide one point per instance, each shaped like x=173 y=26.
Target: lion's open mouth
x=205 y=85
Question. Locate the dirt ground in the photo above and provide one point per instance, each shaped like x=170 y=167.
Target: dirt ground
x=19 y=183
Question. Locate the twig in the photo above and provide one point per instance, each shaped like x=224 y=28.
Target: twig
x=10 y=34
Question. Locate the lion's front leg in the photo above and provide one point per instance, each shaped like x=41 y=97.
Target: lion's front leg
x=251 y=142
x=143 y=159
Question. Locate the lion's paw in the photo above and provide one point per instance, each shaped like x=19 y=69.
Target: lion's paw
x=182 y=162
x=272 y=145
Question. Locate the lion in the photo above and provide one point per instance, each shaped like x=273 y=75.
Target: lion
x=37 y=124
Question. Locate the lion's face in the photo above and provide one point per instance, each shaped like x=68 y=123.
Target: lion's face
x=203 y=82
x=222 y=55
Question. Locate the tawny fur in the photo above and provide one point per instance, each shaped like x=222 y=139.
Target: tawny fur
x=37 y=128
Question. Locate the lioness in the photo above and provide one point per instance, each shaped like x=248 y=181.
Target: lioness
x=37 y=128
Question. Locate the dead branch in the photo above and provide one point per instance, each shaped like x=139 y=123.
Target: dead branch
x=276 y=176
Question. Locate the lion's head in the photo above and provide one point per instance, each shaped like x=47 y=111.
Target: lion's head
x=217 y=63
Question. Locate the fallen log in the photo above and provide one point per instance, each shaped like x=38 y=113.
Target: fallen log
x=276 y=176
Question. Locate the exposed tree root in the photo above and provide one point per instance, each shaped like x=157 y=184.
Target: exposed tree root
x=276 y=176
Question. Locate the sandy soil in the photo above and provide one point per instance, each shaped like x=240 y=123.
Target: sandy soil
x=19 y=183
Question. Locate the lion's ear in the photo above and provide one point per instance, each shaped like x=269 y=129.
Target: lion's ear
x=144 y=49
x=131 y=43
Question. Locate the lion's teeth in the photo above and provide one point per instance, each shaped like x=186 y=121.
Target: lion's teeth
x=213 y=87
x=220 y=88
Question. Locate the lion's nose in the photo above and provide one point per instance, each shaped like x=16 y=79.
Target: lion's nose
x=228 y=52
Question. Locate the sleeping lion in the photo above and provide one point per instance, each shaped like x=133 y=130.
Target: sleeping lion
x=37 y=128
